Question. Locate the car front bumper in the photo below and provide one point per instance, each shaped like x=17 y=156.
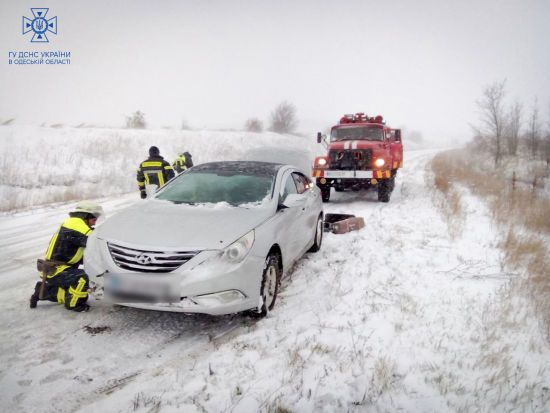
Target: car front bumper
x=205 y=284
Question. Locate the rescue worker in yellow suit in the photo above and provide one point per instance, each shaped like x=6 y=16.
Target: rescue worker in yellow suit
x=183 y=161
x=153 y=171
x=65 y=282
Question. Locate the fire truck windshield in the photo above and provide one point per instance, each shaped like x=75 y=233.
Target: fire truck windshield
x=367 y=133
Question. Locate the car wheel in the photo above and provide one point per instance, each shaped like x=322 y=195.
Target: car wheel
x=318 y=237
x=271 y=278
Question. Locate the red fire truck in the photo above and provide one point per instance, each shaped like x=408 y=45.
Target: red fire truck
x=363 y=153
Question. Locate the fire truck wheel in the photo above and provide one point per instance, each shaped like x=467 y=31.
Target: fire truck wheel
x=384 y=191
x=392 y=183
x=318 y=237
x=325 y=194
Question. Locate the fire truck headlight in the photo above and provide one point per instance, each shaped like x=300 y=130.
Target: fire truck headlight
x=321 y=161
x=379 y=162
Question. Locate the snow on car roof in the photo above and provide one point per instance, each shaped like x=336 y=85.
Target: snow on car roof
x=247 y=167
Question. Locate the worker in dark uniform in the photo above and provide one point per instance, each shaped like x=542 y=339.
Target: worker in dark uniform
x=183 y=161
x=64 y=282
x=153 y=171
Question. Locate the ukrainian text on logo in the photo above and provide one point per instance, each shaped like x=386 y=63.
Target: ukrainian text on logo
x=58 y=57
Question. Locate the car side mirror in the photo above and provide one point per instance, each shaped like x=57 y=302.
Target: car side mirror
x=294 y=200
x=319 y=137
x=398 y=135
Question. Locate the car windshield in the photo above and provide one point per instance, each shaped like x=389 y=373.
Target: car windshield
x=215 y=186
x=369 y=133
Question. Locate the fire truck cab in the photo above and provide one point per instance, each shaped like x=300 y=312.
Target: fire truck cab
x=363 y=153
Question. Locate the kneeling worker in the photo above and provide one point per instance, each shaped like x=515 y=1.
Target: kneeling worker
x=62 y=281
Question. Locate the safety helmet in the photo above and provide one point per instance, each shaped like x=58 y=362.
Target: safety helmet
x=154 y=151
x=89 y=207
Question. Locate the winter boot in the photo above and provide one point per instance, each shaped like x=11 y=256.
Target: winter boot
x=36 y=296
x=83 y=307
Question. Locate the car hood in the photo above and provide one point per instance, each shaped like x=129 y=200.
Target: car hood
x=162 y=224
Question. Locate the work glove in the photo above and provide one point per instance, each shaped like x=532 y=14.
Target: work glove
x=143 y=194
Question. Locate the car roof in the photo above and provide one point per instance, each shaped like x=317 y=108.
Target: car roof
x=253 y=167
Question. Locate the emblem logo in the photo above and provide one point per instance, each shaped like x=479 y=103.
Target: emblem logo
x=144 y=259
x=39 y=25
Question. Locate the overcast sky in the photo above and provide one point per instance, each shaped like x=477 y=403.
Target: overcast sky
x=422 y=64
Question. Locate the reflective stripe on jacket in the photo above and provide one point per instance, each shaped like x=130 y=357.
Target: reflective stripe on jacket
x=180 y=164
x=154 y=171
x=68 y=243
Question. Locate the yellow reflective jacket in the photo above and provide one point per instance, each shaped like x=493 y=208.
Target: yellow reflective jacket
x=155 y=171
x=180 y=164
x=68 y=243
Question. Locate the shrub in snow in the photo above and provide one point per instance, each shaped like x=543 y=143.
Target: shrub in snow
x=254 y=125
x=136 y=120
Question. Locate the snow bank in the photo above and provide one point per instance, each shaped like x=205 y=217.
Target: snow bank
x=44 y=165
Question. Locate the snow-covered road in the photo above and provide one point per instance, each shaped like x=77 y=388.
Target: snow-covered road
x=398 y=315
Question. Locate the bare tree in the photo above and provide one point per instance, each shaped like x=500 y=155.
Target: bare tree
x=136 y=120
x=533 y=133
x=513 y=127
x=283 y=118
x=492 y=116
x=253 y=125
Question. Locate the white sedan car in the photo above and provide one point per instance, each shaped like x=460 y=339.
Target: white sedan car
x=216 y=239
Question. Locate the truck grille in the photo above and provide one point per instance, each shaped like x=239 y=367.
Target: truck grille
x=148 y=261
x=354 y=159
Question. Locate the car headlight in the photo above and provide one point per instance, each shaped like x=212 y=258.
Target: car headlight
x=237 y=251
x=379 y=162
x=321 y=162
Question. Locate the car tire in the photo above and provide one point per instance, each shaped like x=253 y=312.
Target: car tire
x=318 y=236
x=271 y=279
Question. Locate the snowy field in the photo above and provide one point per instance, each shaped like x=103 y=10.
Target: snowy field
x=44 y=165
x=399 y=316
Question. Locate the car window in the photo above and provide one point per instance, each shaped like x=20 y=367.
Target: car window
x=308 y=182
x=302 y=183
x=289 y=188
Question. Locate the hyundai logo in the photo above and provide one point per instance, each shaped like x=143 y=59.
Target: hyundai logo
x=144 y=259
